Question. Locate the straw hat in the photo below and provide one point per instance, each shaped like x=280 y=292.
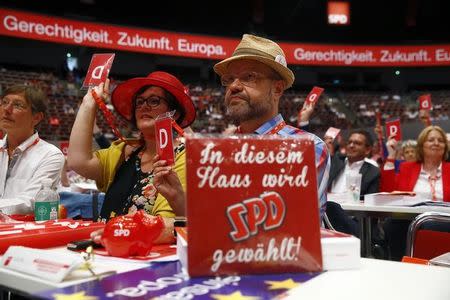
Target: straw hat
x=123 y=94
x=262 y=50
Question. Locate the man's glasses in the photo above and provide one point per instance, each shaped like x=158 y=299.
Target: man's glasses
x=152 y=101
x=16 y=104
x=249 y=79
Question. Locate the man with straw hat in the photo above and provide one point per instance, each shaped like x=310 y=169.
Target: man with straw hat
x=255 y=77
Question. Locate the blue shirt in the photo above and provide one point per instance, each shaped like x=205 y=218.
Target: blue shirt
x=322 y=155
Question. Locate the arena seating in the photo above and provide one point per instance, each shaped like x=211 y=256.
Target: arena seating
x=341 y=110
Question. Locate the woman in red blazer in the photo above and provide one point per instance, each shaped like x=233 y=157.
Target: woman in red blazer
x=429 y=176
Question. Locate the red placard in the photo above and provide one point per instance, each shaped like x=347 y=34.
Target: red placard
x=425 y=102
x=45 y=234
x=332 y=132
x=98 y=69
x=253 y=206
x=164 y=138
x=64 y=146
x=393 y=128
x=314 y=95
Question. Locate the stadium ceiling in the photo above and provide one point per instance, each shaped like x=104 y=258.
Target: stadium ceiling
x=372 y=22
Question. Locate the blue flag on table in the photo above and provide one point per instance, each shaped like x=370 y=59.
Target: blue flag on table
x=168 y=281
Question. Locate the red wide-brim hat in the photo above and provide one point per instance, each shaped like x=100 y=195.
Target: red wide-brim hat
x=123 y=94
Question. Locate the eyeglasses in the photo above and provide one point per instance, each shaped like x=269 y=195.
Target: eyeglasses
x=249 y=79
x=16 y=104
x=152 y=101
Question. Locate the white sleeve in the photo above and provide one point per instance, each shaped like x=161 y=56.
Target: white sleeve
x=49 y=167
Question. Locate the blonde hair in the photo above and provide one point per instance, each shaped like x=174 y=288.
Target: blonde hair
x=423 y=137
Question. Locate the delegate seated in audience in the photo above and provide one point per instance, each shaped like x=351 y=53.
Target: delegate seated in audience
x=429 y=177
x=358 y=148
x=255 y=78
x=131 y=174
x=25 y=159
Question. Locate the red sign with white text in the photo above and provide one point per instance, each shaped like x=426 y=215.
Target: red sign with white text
x=253 y=206
x=88 y=34
x=98 y=69
x=393 y=128
x=425 y=101
x=314 y=95
x=164 y=139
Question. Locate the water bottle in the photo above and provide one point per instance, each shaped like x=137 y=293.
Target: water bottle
x=46 y=202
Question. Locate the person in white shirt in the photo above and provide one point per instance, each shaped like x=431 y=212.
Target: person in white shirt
x=25 y=159
x=359 y=147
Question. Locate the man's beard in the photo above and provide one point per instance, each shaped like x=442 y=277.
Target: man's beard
x=247 y=111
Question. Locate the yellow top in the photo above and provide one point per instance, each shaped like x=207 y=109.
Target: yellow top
x=112 y=157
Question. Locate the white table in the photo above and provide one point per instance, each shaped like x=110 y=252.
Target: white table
x=378 y=279
x=24 y=284
x=365 y=212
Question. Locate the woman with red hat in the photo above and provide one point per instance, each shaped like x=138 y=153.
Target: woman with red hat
x=130 y=173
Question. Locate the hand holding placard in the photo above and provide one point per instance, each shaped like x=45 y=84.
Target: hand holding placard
x=314 y=95
x=393 y=129
x=332 y=132
x=308 y=106
x=164 y=137
x=98 y=69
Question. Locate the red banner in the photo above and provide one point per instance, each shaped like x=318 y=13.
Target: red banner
x=252 y=204
x=60 y=30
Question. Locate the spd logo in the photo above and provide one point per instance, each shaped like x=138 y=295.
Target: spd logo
x=121 y=232
x=266 y=212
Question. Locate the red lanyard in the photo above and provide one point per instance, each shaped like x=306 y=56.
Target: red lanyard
x=277 y=128
x=432 y=181
x=12 y=160
x=272 y=131
x=108 y=116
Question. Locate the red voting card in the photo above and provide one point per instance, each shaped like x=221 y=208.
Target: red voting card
x=393 y=128
x=98 y=69
x=425 y=101
x=332 y=132
x=314 y=95
x=252 y=205
x=164 y=138
x=64 y=146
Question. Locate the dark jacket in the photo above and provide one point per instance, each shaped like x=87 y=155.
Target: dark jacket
x=370 y=180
